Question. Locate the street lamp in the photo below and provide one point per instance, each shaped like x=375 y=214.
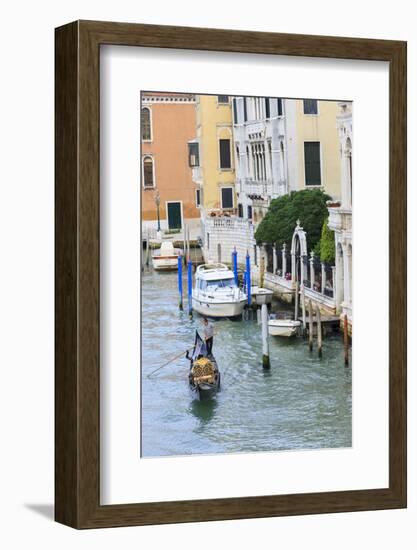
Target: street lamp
x=158 y=202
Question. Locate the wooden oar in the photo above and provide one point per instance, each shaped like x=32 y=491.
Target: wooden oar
x=168 y=362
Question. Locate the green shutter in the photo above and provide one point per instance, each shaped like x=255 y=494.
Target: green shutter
x=312 y=163
x=225 y=161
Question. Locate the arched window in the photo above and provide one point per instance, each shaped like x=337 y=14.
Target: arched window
x=148 y=179
x=145 y=120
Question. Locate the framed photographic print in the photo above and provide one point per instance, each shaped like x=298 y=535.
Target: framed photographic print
x=230 y=274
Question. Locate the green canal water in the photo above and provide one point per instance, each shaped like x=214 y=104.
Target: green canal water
x=302 y=402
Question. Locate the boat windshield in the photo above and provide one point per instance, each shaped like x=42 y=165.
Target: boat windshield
x=221 y=283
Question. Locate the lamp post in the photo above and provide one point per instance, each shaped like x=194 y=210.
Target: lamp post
x=158 y=202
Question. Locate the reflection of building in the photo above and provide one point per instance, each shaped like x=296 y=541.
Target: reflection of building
x=167 y=124
x=340 y=218
x=212 y=162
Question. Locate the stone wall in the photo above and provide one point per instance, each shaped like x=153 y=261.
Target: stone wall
x=221 y=235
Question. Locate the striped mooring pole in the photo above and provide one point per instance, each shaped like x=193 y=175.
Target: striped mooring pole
x=180 y=281
x=234 y=262
x=248 y=281
x=190 y=287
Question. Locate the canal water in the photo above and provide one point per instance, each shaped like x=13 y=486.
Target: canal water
x=302 y=402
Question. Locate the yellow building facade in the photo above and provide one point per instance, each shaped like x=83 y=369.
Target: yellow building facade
x=313 y=146
x=211 y=154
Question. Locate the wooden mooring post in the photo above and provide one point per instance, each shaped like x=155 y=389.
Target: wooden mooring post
x=296 y=301
x=310 y=325
x=346 y=339
x=303 y=309
x=266 y=364
x=319 y=332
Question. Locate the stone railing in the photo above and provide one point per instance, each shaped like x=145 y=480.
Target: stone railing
x=340 y=219
x=260 y=188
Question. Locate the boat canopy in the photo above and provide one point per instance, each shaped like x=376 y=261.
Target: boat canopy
x=214 y=272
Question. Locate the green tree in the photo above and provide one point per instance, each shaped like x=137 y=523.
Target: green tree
x=308 y=206
x=327 y=246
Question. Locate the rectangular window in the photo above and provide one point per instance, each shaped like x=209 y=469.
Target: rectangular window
x=312 y=163
x=245 y=110
x=249 y=212
x=193 y=154
x=227 y=197
x=310 y=106
x=279 y=106
x=234 y=111
x=267 y=109
x=197 y=197
x=240 y=210
x=222 y=99
x=225 y=159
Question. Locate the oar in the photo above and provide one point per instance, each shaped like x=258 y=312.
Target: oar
x=168 y=362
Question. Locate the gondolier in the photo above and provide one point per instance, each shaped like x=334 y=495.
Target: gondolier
x=208 y=335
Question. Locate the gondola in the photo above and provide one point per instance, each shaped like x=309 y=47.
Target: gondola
x=204 y=374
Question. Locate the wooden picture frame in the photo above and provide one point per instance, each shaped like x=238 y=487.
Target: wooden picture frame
x=77 y=374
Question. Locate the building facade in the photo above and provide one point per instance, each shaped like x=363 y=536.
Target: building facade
x=168 y=122
x=312 y=145
x=259 y=139
x=213 y=166
x=340 y=217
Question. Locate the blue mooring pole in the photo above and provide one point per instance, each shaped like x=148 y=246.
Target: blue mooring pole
x=190 y=287
x=180 y=280
x=248 y=281
x=234 y=262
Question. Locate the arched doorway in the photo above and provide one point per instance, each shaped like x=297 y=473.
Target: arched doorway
x=299 y=255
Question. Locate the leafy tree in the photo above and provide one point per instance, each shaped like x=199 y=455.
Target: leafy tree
x=308 y=205
x=327 y=246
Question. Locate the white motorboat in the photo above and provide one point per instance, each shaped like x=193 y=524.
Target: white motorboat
x=166 y=257
x=283 y=327
x=216 y=293
x=261 y=295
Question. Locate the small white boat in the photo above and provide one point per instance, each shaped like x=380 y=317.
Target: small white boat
x=216 y=293
x=166 y=257
x=261 y=295
x=283 y=327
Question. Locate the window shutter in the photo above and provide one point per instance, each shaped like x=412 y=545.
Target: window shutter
x=227 y=197
x=267 y=109
x=234 y=111
x=145 y=119
x=193 y=154
x=225 y=161
x=310 y=106
x=148 y=172
x=312 y=163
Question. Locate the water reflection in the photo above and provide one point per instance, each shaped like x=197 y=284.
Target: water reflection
x=203 y=410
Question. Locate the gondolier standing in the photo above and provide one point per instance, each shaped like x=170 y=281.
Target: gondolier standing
x=208 y=335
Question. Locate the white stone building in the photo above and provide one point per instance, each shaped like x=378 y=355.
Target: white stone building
x=259 y=140
x=340 y=218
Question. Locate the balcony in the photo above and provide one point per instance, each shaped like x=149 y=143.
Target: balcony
x=196 y=175
x=340 y=219
x=257 y=190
